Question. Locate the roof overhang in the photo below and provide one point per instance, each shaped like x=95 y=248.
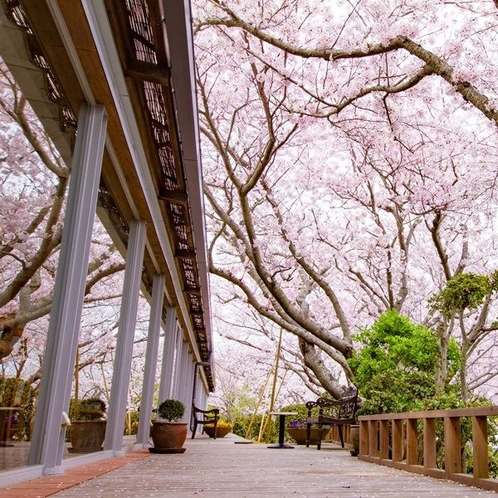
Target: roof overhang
x=136 y=59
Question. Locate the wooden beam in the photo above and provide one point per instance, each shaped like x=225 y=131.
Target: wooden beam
x=146 y=71
x=185 y=253
x=173 y=196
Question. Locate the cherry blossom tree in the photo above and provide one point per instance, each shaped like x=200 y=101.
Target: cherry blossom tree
x=349 y=152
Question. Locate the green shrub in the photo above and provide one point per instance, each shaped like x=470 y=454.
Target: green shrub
x=463 y=291
x=171 y=409
x=395 y=369
x=243 y=423
x=87 y=409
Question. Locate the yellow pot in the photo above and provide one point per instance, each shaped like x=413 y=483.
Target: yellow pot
x=221 y=431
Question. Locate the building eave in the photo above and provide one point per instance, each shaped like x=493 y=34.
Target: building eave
x=84 y=47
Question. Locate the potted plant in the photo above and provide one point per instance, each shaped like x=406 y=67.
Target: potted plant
x=222 y=428
x=87 y=430
x=168 y=434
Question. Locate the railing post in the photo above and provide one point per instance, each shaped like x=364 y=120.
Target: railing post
x=430 y=443
x=397 y=440
x=363 y=437
x=384 y=439
x=453 y=456
x=372 y=437
x=411 y=442
x=480 y=446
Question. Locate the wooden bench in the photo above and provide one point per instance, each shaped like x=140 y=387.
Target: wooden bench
x=332 y=412
x=201 y=417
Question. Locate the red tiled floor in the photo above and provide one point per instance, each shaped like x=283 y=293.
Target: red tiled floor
x=48 y=485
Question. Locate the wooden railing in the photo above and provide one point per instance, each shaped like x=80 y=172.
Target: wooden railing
x=410 y=441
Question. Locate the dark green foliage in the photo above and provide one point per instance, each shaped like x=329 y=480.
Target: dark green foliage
x=239 y=428
x=131 y=423
x=241 y=425
x=396 y=365
x=87 y=409
x=396 y=392
x=16 y=392
x=292 y=420
x=463 y=291
x=171 y=409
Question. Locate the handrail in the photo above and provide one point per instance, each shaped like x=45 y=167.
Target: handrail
x=396 y=440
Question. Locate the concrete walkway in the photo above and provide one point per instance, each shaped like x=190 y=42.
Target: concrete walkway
x=227 y=468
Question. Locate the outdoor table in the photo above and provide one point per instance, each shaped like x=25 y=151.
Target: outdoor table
x=281 y=430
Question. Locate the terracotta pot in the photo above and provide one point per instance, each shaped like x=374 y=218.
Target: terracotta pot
x=87 y=436
x=299 y=434
x=168 y=437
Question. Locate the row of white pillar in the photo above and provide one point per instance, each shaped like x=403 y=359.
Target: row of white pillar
x=178 y=365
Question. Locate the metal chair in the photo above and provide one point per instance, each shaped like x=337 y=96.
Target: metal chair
x=201 y=417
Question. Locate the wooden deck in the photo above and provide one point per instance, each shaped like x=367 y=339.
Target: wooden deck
x=227 y=469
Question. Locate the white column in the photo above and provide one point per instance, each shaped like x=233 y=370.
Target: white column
x=65 y=318
x=167 y=372
x=151 y=361
x=177 y=375
x=183 y=394
x=189 y=386
x=126 y=335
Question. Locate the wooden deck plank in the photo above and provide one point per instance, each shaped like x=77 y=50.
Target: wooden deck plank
x=222 y=469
